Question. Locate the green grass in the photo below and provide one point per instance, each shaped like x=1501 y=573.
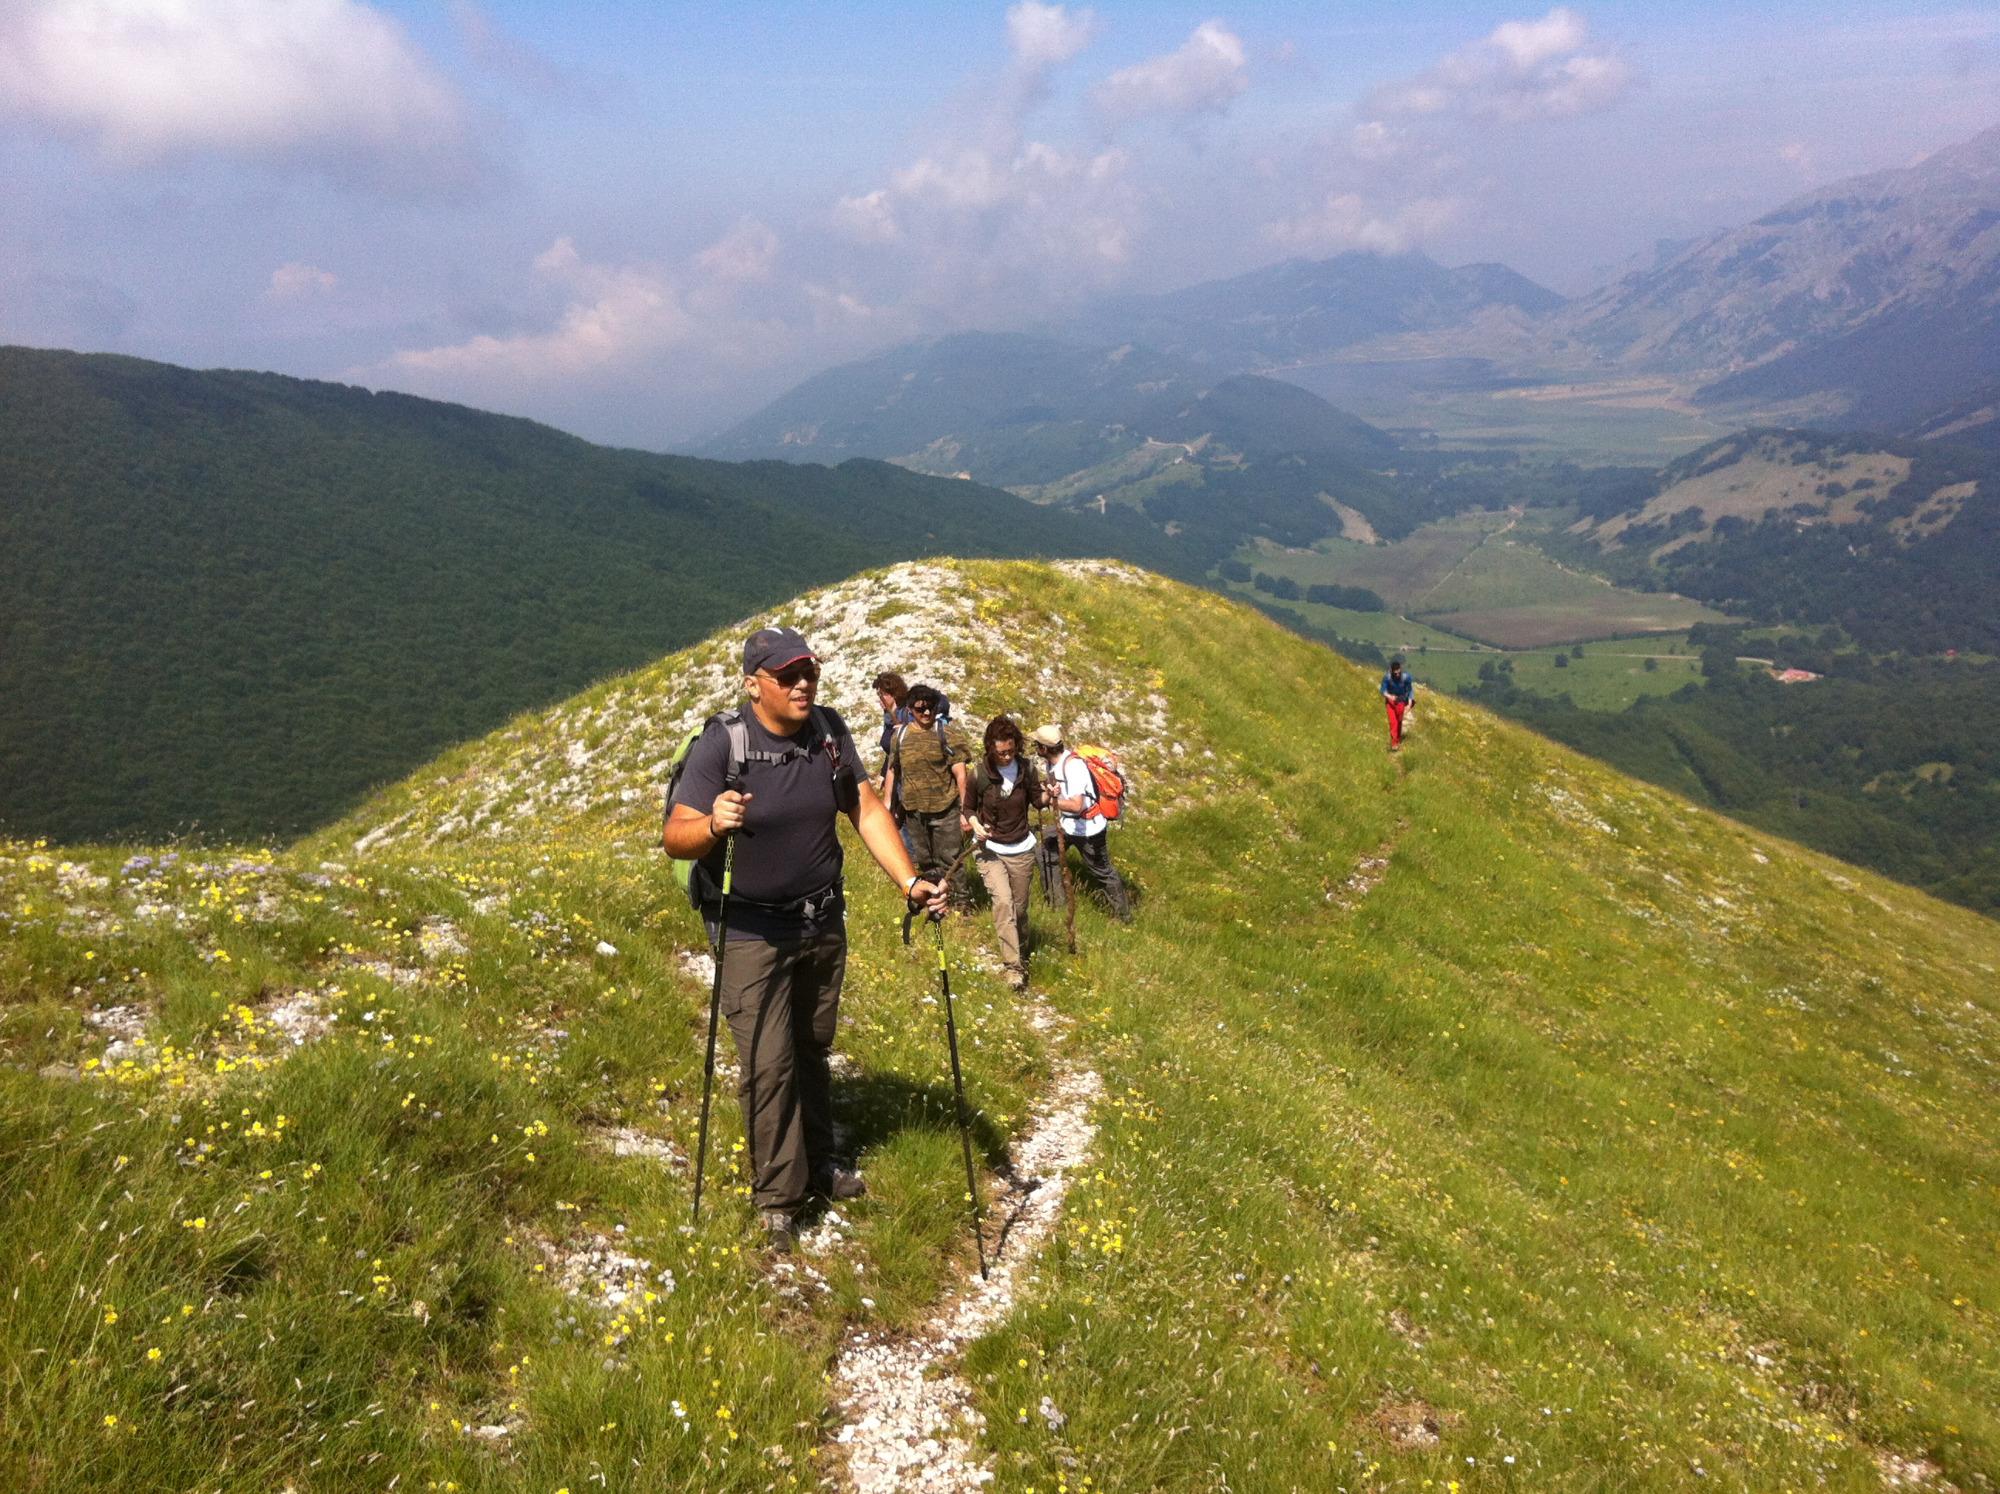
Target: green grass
x=1612 y=1138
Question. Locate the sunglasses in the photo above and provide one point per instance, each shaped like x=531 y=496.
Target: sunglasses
x=791 y=674
x=923 y=710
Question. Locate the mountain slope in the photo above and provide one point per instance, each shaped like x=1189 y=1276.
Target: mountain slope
x=1207 y=462
x=1305 y=309
x=1879 y=295
x=1010 y=409
x=1470 y=1106
x=237 y=601
x=1892 y=540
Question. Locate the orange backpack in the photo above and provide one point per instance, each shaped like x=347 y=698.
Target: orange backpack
x=1107 y=779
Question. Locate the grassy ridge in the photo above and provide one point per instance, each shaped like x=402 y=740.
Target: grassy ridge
x=1473 y=1106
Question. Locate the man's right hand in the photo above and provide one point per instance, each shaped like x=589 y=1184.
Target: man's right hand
x=929 y=896
x=727 y=814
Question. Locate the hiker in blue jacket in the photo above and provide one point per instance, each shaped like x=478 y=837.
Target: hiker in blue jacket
x=1398 y=690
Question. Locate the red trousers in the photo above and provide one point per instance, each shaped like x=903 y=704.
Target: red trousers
x=1396 y=709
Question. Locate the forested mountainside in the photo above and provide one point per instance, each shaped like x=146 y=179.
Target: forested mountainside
x=233 y=602
x=1897 y=542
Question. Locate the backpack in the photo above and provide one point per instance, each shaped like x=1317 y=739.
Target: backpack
x=937 y=725
x=690 y=876
x=1107 y=780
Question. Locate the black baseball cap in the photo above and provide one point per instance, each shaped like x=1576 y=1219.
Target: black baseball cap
x=774 y=648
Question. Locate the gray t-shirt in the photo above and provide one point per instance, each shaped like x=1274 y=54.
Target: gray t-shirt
x=789 y=846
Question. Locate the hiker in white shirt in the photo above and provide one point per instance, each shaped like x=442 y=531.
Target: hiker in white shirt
x=1073 y=792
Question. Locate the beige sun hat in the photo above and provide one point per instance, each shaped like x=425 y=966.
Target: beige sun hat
x=1049 y=735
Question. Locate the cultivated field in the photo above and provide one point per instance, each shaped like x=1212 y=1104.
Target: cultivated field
x=1473 y=575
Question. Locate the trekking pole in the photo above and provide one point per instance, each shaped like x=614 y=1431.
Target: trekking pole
x=714 y=1010
x=1069 y=887
x=958 y=1093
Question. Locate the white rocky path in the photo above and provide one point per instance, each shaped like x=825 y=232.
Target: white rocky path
x=907 y=1425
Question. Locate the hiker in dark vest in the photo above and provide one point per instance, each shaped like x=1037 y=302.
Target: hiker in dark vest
x=1398 y=690
x=1004 y=785
x=927 y=761
x=786 y=951
x=1073 y=793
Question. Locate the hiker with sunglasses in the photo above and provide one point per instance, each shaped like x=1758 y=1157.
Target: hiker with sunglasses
x=927 y=766
x=1073 y=792
x=1398 y=691
x=1004 y=786
x=781 y=965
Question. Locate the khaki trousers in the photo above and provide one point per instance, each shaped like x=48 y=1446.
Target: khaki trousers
x=1008 y=878
x=782 y=1002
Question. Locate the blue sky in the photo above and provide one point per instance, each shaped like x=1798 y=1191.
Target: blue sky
x=639 y=221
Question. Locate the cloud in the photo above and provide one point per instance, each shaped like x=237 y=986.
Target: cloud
x=616 y=316
x=332 y=85
x=1044 y=36
x=1204 y=75
x=1345 y=221
x=1522 y=70
x=987 y=212
x=295 y=281
x=748 y=252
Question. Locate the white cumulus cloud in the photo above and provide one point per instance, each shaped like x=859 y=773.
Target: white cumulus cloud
x=1522 y=70
x=296 y=281
x=1203 y=75
x=332 y=84
x=617 y=315
x=1044 y=36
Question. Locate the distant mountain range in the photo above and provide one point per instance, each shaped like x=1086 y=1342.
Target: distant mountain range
x=1102 y=426
x=1877 y=297
x=235 y=601
x=1303 y=310
x=1873 y=303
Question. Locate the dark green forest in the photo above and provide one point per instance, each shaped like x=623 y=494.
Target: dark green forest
x=231 y=603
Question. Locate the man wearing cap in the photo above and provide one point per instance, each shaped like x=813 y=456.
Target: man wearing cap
x=1398 y=690
x=1073 y=792
x=786 y=953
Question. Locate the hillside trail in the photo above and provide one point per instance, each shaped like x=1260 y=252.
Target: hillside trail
x=908 y=1418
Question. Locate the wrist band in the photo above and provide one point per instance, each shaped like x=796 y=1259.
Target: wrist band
x=915 y=877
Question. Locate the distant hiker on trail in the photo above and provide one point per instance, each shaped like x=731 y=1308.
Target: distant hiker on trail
x=893 y=693
x=1074 y=792
x=1004 y=786
x=927 y=766
x=780 y=967
x=1398 y=690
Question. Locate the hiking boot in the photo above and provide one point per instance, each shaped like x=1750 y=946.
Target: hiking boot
x=1017 y=980
x=780 y=1234
x=838 y=1183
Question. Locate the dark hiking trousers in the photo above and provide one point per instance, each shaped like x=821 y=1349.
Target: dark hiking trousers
x=1096 y=854
x=934 y=840
x=782 y=1001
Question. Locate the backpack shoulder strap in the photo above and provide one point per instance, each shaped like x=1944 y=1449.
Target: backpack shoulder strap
x=738 y=737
